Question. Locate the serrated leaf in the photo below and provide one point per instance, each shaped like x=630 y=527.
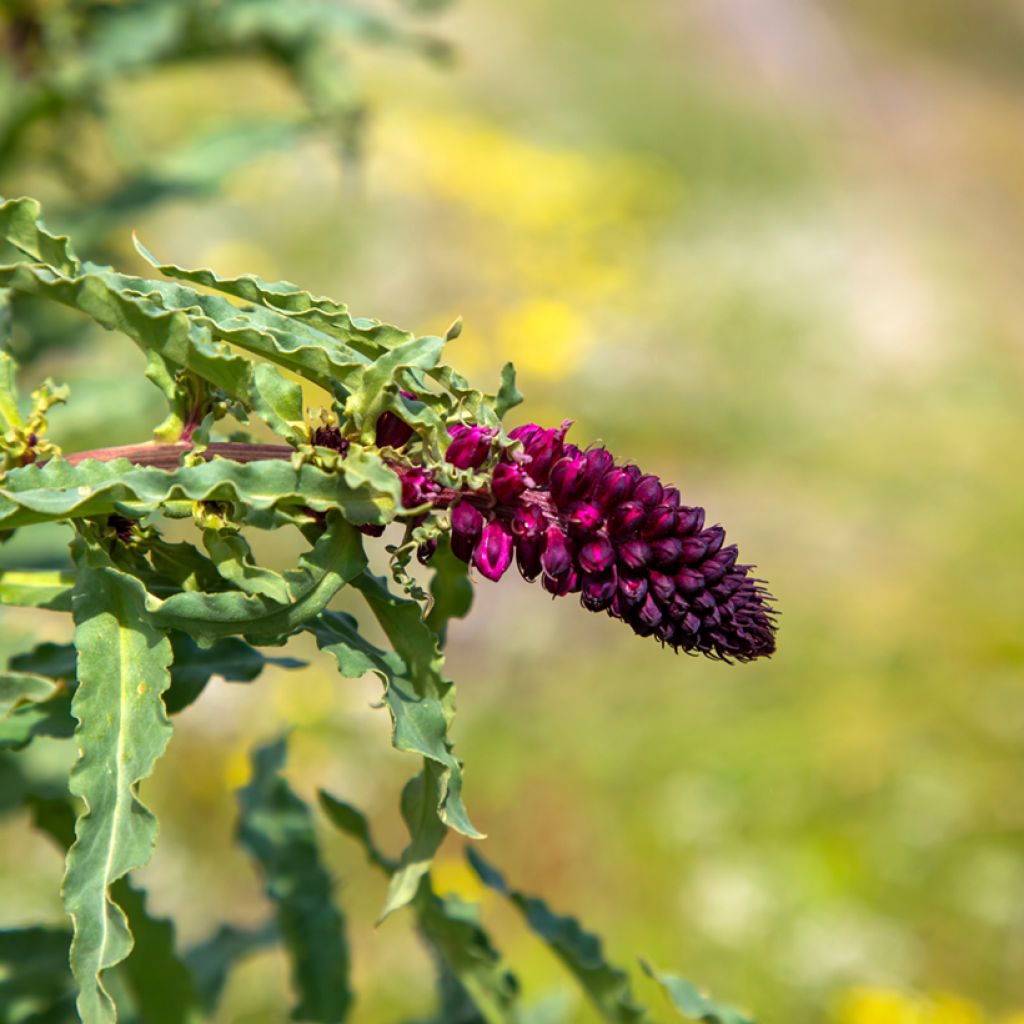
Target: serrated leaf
x=36 y=589
x=278 y=402
x=211 y=961
x=160 y=983
x=362 y=488
x=691 y=1003
x=508 y=396
x=276 y=828
x=336 y=559
x=123 y=669
x=580 y=951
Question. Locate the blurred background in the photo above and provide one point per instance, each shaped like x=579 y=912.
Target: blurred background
x=768 y=249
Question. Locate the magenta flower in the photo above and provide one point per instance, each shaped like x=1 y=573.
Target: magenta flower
x=618 y=537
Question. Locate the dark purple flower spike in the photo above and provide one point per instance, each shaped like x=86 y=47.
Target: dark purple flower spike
x=620 y=538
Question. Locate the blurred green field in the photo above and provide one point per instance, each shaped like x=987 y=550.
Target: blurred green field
x=771 y=253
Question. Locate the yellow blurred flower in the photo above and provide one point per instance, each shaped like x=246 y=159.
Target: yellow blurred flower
x=888 y=1006
x=544 y=337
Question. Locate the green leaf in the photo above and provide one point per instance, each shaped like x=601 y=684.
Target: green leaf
x=420 y=702
x=508 y=396
x=10 y=416
x=123 y=669
x=21 y=223
x=35 y=984
x=230 y=658
x=233 y=558
x=580 y=951
x=452 y=928
x=352 y=822
x=51 y=717
x=16 y=687
x=36 y=589
x=691 y=1003
x=160 y=983
x=451 y=589
x=211 y=961
x=278 y=402
x=363 y=488
x=470 y=966
x=276 y=828
x=336 y=559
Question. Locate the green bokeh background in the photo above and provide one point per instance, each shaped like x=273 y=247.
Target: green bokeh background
x=771 y=252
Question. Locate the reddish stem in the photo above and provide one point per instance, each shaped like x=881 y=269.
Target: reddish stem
x=167 y=456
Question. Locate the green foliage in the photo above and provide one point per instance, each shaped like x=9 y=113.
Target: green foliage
x=157 y=617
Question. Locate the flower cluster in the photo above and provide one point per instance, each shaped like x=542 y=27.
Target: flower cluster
x=616 y=536
x=584 y=524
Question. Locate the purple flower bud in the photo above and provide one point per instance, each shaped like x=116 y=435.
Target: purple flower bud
x=508 y=482
x=612 y=489
x=584 y=519
x=371 y=529
x=659 y=522
x=713 y=537
x=703 y=603
x=528 y=551
x=557 y=557
x=647 y=491
x=689 y=581
x=670 y=496
x=649 y=614
x=593 y=465
x=417 y=487
x=493 y=552
x=718 y=565
x=544 y=448
x=690 y=521
x=529 y=522
x=566 y=481
x=596 y=556
x=661 y=586
x=632 y=590
x=597 y=592
x=692 y=550
x=667 y=552
x=467 y=525
x=392 y=432
x=634 y=554
x=330 y=437
x=425 y=552
x=627 y=517
x=469 y=447
x=567 y=584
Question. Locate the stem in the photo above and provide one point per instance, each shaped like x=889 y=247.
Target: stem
x=167 y=456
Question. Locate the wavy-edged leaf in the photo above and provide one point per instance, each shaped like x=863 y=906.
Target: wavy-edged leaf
x=55 y=663
x=336 y=559
x=362 y=487
x=471 y=976
x=123 y=669
x=278 y=402
x=580 y=951
x=160 y=983
x=21 y=223
x=231 y=554
x=211 y=961
x=18 y=687
x=367 y=336
x=451 y=589
x=230 y=658
x=352 y=822
x=10 y=415
x=419 y=700
x=691 y=1003
x=35 y=983
x=36 y=589
x=276 y=828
